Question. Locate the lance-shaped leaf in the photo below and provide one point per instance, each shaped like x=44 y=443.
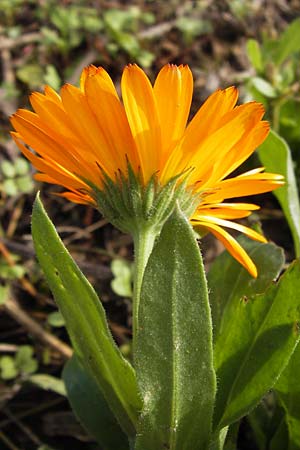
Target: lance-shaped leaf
x=288 y=390
x=229 y=282
x=91 y=408
x=275 y=155
x=288 y=43
x=86 y=322
x=174 y=345
x=255 y=345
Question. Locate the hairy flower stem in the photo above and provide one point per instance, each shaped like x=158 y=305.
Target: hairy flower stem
x=143 y=244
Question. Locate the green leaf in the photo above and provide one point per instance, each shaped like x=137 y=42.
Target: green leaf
x=122 y=282
x=276 y=157
x=289 y=42
x=192 y=27
x=128 y=42
x=86 y=322
x=10 y=187
x=21 y=166
x=145 y=58
x=25 y=362
x=229 y=282
x=91 y=408
x=174 y=344
x=288 y=390
x=52 y=77
x=264 y=87
x=31 y=74
x=48 y=383
x=255 y=345
x=8 y=169
x=4 y=293
x=254 y=54
x=56 y=319
x=289 y=121
x=118 y=20
x=8 y=369
x=11 y=272
x=24 y=184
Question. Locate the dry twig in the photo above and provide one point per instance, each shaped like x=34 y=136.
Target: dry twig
x=12 y=307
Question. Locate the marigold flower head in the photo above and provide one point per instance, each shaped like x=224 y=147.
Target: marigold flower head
x=96 y=146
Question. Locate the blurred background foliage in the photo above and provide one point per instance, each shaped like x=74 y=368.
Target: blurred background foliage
x=254 y=44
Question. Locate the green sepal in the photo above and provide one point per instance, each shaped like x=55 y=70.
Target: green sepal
x=173 y=355
x=86 y=322
x=149 y=198
x=131 y=206
x=91 y=408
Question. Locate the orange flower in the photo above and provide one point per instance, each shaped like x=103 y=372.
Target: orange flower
x=84 y=135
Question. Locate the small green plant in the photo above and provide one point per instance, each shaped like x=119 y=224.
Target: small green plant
x=15 y=177
x=10 y=272
x=22 y=364
x=123 y=277
x=70 y=26
x=276 y=83
x=121 y=28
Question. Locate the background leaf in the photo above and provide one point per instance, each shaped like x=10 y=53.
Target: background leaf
x=275 y=155
x=289 y=42
x=254 y=54
x=48 y=383
x=264 y=87
x=122 y=281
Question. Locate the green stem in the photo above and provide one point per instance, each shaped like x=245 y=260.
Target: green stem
x=278 y=102
x=276 y=117
x=143 y=244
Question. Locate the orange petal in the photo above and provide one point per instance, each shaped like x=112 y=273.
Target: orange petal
x=203 y=153
x=26 y=124
x=54 y=117
x=208 y=117
x=227 y=210
x=111 y=120
x=85 y=126
x=52 y=95
x=233 y=247
x=244 y=186
x=58 y=173
x=237 y=154
x=216 y=147
x=89 y=70
x=143 y=119
x=228 y=224
x=77 y=198
x=173 y=91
